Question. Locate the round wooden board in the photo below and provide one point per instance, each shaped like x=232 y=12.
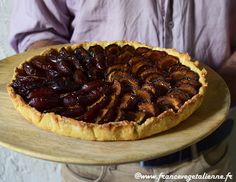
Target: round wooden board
x=19 y=135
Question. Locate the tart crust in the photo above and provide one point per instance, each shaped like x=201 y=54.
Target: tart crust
x=112 y=131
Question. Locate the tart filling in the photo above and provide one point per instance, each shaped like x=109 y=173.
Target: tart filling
x=108 y=90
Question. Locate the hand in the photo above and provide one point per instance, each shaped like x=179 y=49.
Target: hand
x=42 y=43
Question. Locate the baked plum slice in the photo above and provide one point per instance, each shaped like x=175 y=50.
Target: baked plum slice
x=129 y=102
x=144 y=95
x=154 y=55
x=110 y=116
x=142 y=50
x=128 y=48
x=135 y=59
x=117 y=67
x=140 y=66
x=86 y=97
x=188 y=89
x=113 y=49
x=80 y=77
x=124 y=57
x=166 y=102
x=65 y=52
x=161 y=86
x=191 y=82
x=138 y=116
x=124 y=78
x=78 y=64
x=93 y=111
x=63 y=84
x=42 y=63
x=74 y=111
x=111 y=111
x=110 y=60
x=41 y=92
x=52 y=56
x=181 y=74
x=130 y=84
x=150 y=87
x=126 y=116
x=93 y=85
x=117 y=75
x=51 y=74
x=95 y=74
x=167 y=62
x=95 y=50
x=118 y=88
x=150 y=108
x=178 y=67
x=150 y=71
x=100 y=61
x=20 y=72
x=81 y=53
x=175 y=93
x=65 y=67
x=152 y=77
x=25 y=84
x=85 y=100
x=21 y=80
x=32 y=70
x=65 y=62
x=44 y=103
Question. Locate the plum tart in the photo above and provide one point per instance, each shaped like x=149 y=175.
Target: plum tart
x=107 y=91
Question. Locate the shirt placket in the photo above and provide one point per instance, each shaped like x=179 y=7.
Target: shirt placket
x=167 y=22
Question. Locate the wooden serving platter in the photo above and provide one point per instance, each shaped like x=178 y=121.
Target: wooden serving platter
x=19 y=135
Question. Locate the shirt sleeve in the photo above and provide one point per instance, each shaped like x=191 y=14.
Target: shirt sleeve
x=34 y=20
x=228 y=72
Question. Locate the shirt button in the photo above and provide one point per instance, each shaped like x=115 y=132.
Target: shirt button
x=171 y=24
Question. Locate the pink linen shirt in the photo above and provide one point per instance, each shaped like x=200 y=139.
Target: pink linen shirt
x=203 y=28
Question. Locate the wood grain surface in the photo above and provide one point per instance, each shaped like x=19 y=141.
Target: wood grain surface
x=19 y=135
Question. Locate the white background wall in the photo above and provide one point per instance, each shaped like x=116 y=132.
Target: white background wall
x=15 y=167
